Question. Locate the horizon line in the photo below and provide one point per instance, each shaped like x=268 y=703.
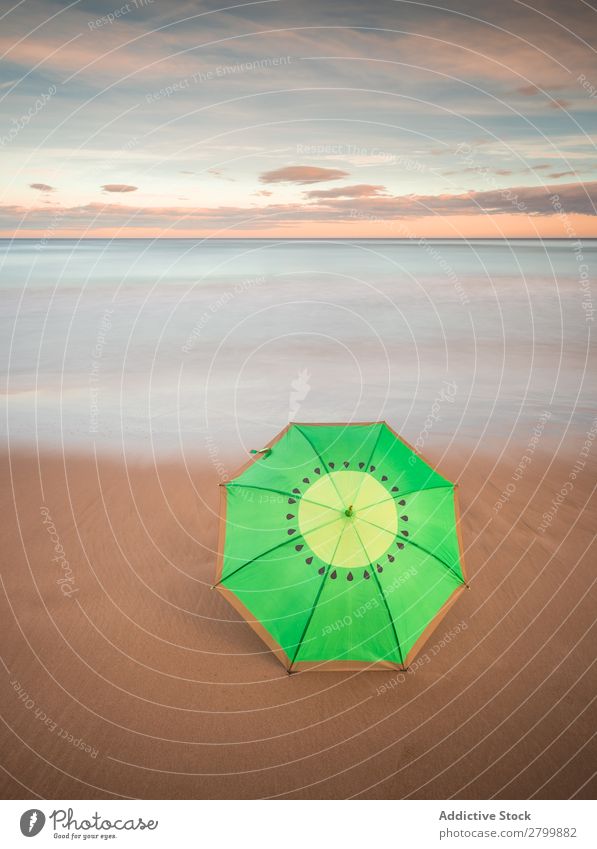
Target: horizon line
x=414 y=239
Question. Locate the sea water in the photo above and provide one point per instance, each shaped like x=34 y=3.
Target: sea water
x=212 y=346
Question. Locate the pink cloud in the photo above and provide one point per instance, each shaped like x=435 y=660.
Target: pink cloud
x=119 y=187
x=361 y=191
x=521 y=202
x=560 y=104
x=302 y=174
x=41 y=187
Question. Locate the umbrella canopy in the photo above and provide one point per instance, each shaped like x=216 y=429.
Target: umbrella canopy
x=340 y=546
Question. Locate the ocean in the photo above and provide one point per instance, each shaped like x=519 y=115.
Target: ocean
x=210 y=347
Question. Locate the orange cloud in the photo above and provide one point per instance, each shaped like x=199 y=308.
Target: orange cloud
x=302 y=174
x=119 y=187
x=533 y=206
x=363 y=190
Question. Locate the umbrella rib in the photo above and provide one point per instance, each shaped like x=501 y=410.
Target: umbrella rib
x=360 y=486
x=420 y=547
x=408 y=492
x=294 y=495
x=383 y=596
x=319 y=591
x=322 y=461
x=274 y=548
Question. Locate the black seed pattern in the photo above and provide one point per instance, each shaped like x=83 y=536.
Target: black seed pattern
x=309 y=560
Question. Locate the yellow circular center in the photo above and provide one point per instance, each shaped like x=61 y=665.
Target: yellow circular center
x=348 y=519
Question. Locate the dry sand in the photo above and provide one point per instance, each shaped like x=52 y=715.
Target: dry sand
x=175 y=696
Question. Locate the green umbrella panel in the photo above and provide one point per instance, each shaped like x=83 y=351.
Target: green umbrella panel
x=340 y=546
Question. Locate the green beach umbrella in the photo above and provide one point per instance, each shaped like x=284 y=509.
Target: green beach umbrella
x=340 y=546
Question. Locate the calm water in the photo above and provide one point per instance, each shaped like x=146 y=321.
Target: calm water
x=213 y=346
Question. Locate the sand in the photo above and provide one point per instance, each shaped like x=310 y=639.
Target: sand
x=132 y=679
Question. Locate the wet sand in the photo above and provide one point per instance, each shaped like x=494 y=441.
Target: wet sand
x=132 y=679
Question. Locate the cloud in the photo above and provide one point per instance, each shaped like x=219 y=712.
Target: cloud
x=579 y=198
x=533 y=90
x=302 y=174
x=119 y=187
x=562 y=174
x=362 y=191
x=560 y=104
x=528 y=90
x=41 y=187
x=521 y=201
x=263 y=193
x=217 y=172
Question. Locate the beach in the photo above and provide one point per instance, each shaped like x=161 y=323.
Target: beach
x=134 y=679
x=129 y=400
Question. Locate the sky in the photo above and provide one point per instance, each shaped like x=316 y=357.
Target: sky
x=285 y=119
